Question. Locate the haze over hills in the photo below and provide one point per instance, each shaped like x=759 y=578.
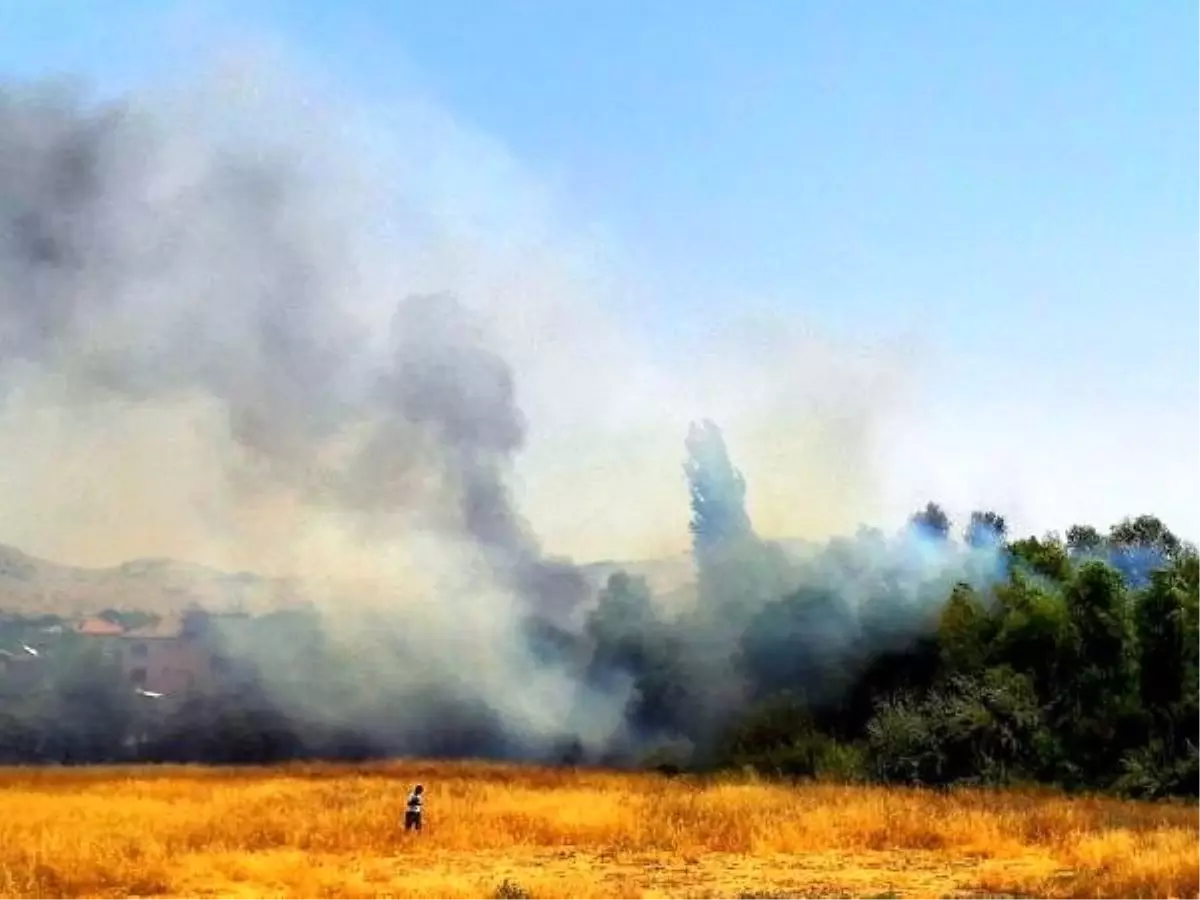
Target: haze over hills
x=165 y=587
x=32 y=585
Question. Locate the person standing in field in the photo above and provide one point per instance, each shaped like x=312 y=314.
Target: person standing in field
x=414 y=808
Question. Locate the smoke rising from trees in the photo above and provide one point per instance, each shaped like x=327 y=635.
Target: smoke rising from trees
x=218 y=296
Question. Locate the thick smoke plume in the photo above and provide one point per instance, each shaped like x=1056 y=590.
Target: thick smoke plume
x=143 y=267
x=130 y=274
x=192 y=315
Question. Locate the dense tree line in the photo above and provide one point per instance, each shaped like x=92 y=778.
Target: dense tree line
x=939 y=654
x=926 y=657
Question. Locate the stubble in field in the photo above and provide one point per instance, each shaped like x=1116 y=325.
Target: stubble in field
x=509 y=831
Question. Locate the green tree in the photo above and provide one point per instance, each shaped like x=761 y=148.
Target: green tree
x=965 y=631
x=1140 y=546
x=1044 y=556
x=737 y=573
x=1147 y=532
x=623 y=624
x=1099 y=700
x=1033 y=634
x=668 y=699
x=718 y=491
x=801 y=644
x=1165 y=656
x=903 y=744
x=1098 y=605
x=986 y=724
x=985 y=529
x=1084 y=539
x=778 y=736
x=931 y=522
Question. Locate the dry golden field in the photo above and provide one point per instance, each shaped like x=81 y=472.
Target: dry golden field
x=509 y=831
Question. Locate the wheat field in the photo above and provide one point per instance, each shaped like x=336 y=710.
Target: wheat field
x=510 y=831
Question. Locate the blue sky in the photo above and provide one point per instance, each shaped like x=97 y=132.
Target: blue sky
x=1015 y=182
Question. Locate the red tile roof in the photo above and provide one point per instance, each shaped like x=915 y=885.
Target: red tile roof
x=98 y=627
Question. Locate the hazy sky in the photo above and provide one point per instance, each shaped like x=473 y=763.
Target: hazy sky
x=1009 y=190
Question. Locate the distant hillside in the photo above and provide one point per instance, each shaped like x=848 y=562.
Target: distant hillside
x=162 y=586
x=166 y=587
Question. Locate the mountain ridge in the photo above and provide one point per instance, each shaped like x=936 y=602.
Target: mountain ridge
x=164 y=586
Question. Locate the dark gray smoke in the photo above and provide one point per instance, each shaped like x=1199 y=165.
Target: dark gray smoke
x=121 y=274
x=145 y=261
x=170 y=273
x=444 y=379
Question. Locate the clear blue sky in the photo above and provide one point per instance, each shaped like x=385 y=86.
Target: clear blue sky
x=1016 y=180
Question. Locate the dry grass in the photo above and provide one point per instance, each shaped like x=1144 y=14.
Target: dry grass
x=491 y=830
